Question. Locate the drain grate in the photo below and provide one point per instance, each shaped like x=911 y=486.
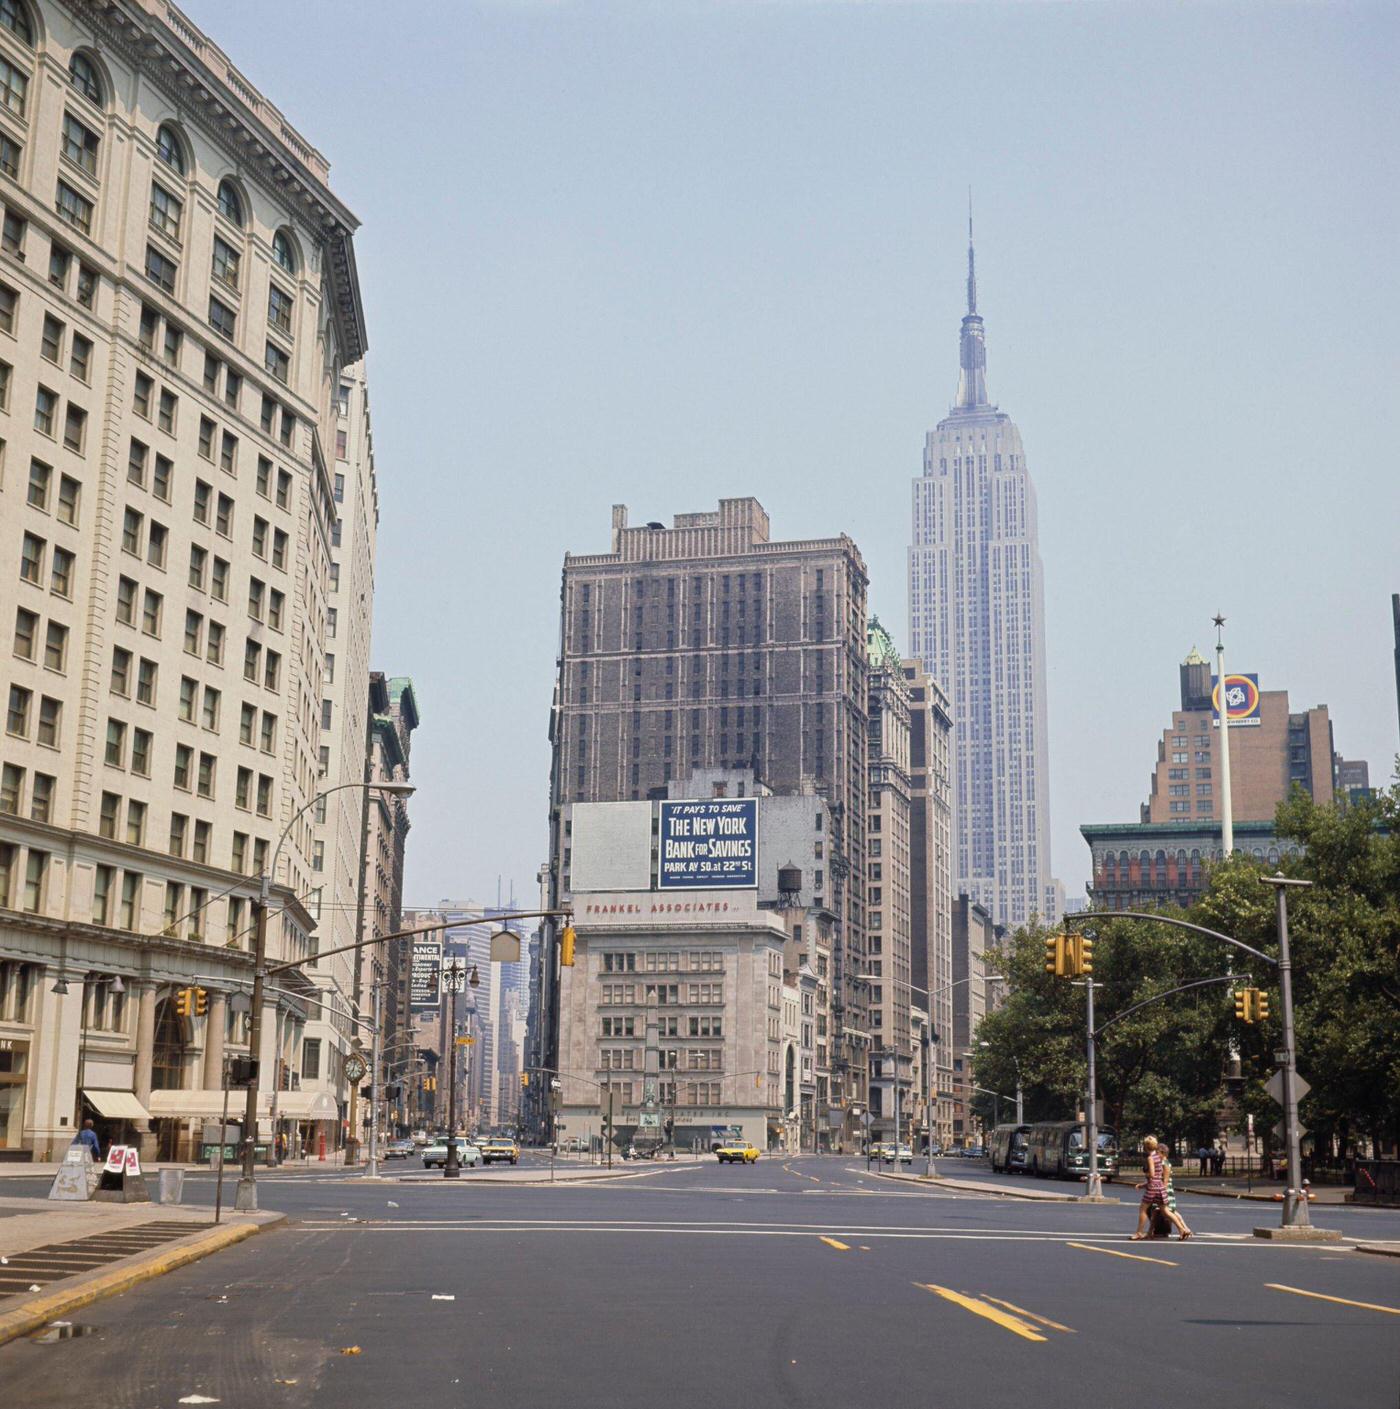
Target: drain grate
x=52 y=1263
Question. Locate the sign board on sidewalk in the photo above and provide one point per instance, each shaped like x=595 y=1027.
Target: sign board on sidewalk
x=122 y=1181
x=1274 y=1086
x=425 y=973
x=76 y=1177
x=709 y=844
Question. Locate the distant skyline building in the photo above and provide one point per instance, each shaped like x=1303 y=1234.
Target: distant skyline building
x=977 y=622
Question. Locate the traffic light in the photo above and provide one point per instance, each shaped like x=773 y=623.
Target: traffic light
x=201 y=1002
x=184 y=1002
x=1084 y=955
x=1261 y=1005
x=524 y=1079
x=1055 y=955
x=1244 y=1004
x=566 y=947
x=242 y=1071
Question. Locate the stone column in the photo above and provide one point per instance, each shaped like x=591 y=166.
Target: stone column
x=145 y=1056
x=215 y=1025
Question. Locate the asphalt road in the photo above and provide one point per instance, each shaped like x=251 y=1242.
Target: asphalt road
x=794 y=1283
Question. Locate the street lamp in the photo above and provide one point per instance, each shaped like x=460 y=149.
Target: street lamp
x=246 y=1199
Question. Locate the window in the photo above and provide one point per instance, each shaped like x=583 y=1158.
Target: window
x=75 y=209
x=9 y=156
x=342 y=451
x=174 y=340
x=218 y=580
x=233 y=385
x=214 y=647
x=264 y=795
x=202 y=832
x=136 y=467
x=268 y=738
x=131 y=532
x=141 y=753
x=12 y=234
x=87 y=286
x=121 y=672
x=268 y=414
x=31 y=559
x=160 y=479
x=146 y=682
x=209 y=715
x=228 y=453
x=203 y=493
x=279 y=548
x=34 y=872
x=80 y=359
x=160 y=270
x=205 y=786
x=130 y=915
x=150 y=612
x=136 y=823
x=243 y=788
x=199 y=561
x=41 y=797
x=26 y=632
x=82 y=74
x=194 y=635
x=56 y=647
x=69 y=491
x=107 y=815
x=252 y=661
x=60 y=262
x=178 y=826
x=45 y=410
x=40 y=476
x=311 y=1059
x=17 y=712
x=80 y=144
x=141 y=395
x=50 y=722
x=279 y=309
x=282 y=252
x=166 y=211
x=184 y=757
x=155 y=545
x=102 y=878
x=149 y=326
x=6 y=372
x=189 y=691
x=14 y=85
x=74 y=428
x=284 y=489
x=256 y=593
x=206 y=438
x=247 y=721
x=51 y=343
x=170 y=150
x=225 y=263
x=165 y=417
x=222 y=319
x=230 y=202
x=271 y=668
x=126 y=601
x=115 y=756
x=275 y=602
x=277 y=362
x=223 y=516
x=61 y=578
x=9 y=304
x=260 y=527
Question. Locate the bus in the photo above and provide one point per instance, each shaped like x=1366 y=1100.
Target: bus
x=1057 y=1149
x=1007 y=1148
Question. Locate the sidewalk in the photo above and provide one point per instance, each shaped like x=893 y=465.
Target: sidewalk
x=13 y=1169
x=982 y=1186
x=1262 y=1192
x=56 y=1258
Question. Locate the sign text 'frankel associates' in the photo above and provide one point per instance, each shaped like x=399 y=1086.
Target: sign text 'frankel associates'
x=709 y=845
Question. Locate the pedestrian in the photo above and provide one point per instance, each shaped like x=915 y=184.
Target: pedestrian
x=87 y=1137
x=1203 y=1154
x=1219 y=1158
x=1154 y=1189
x=1170 y=1215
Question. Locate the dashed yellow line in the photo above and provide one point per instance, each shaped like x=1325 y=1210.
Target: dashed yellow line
x=837 y=1244
x=1005 y=1320
x=1031 y=1315
x=1340 y=1300
x=1113 y=1252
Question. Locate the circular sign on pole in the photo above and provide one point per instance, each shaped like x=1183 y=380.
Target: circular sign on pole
x=354 y=1067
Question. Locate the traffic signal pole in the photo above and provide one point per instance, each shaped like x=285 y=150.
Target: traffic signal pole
x=245 y=1200
x=1295 y=1198
x=1094 y=1191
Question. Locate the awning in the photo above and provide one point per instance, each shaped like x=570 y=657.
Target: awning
x=304 y=1105
x=117 y=1105
x=209 y=1105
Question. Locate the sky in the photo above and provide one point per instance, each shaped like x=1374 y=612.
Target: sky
x=657 y=254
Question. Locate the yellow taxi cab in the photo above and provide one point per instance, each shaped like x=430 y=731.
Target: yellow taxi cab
x=735 y=1151
x=498 y=1149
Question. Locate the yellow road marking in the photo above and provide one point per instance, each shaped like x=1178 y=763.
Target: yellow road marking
x=1113 y=1252
x=837 y=1244
x=980 y=1308
x=1340 y=1300
x=1031 y=1315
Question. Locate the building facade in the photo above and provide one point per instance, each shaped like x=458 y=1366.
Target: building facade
x=931 y=886
x=974 y=934
x=977 y=620
x=707 y=645
x=178 y=297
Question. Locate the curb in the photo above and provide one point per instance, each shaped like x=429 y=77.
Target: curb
x=38 y=1311
x=1380 y=1249
x=996 y=1192
x=545 y=1183
x=1261 y=1198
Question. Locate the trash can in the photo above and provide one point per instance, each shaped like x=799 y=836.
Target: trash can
x=172 y=1186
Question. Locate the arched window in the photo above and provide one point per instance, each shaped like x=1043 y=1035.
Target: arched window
x=82 y=73
x=230 y=202
x=168 y=1058
x=15 y=18
x=169 y=149
x=283 y=252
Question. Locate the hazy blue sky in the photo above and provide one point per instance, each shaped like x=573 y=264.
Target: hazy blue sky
x=660 y=253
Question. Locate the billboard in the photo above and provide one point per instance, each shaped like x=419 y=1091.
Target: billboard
x=710 y=844
x=1241 y=699
x=425 y=972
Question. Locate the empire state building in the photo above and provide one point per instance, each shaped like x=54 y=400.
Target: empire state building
x=977 y=622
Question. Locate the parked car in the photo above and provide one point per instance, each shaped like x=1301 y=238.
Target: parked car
x=500 y=1150
x=435 y=1155
x=737 y=1152
x=400 y=1149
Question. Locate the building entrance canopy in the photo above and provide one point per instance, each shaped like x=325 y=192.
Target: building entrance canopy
x=116 y=1105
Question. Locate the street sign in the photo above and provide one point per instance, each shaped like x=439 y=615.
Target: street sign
x=1280 y=1134
x=649 y=1120
x=465 y=1041
x=354 y=1067
x=1274 y=1086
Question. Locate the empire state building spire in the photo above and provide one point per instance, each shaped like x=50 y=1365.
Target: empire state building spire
x=972 y=352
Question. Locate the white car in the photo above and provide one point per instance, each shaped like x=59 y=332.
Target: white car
x=435 y=1155
x=906 y=1155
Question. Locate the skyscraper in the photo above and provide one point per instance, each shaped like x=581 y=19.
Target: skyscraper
x=977 y=622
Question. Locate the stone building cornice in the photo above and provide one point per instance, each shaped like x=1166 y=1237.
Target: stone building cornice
x=158 y=40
